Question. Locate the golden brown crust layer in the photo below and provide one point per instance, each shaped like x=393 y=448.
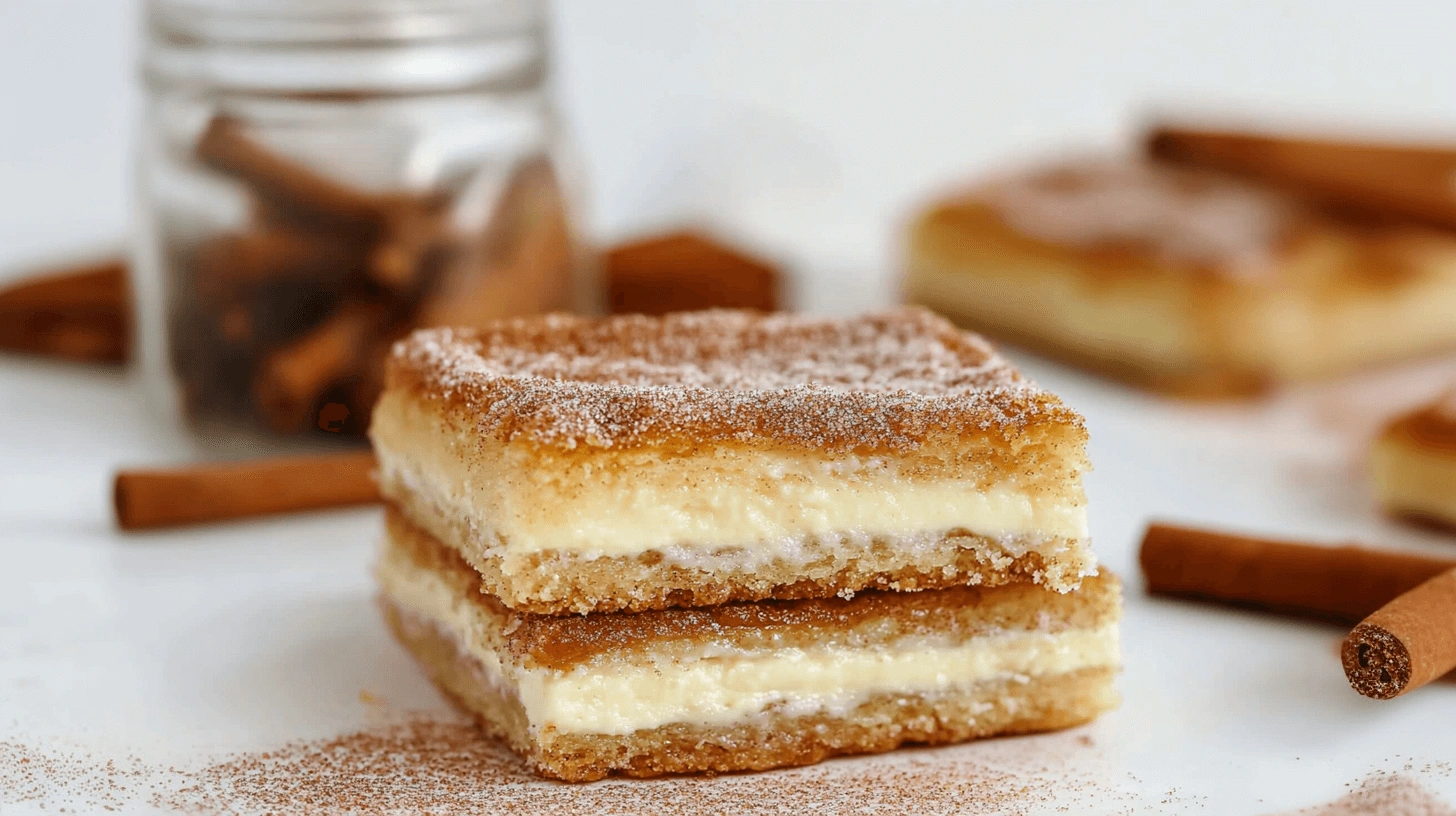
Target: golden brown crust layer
x=564 y=584
x=879 y=382
x=561 y=642
x=881 y=723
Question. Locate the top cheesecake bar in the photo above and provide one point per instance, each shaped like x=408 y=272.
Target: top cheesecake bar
x=633 y=463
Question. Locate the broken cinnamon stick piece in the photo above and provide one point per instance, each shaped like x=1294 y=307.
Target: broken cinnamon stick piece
x=1410 y=181
x=1344 y=583
x=686 y=271
x=292 y=379
x=147 y=499
x=1405 y=644
x=81 y=313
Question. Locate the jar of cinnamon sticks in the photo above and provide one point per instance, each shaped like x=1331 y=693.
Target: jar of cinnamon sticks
x=319 y=177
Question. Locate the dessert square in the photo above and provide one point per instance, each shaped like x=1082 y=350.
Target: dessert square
x=752 y=685
x=1413 y=464
x=1183 y=280
x=633 y=463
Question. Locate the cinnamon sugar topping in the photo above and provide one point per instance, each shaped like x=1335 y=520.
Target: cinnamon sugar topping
x=880 y=381
x=1183 y=216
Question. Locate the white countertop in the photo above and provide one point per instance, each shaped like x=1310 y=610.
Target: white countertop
x=807 y=132
x=173 y=647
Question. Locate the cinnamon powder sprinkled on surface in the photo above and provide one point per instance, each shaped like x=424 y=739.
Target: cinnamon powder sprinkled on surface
x=445 y=766
x=1383 y=794
x=71 y=782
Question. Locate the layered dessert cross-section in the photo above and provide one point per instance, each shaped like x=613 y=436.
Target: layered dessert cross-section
x=750 y=685
x=1413 y=463
x=1183 y=280
x=633 y=463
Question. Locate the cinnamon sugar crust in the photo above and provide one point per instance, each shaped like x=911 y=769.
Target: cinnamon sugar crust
x=879 y=382
x=564 y=642
x=880 y=723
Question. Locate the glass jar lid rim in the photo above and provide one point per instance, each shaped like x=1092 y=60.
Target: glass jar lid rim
x=322 y=21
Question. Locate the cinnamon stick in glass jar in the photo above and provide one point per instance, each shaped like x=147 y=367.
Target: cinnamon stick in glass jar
x=323 y=178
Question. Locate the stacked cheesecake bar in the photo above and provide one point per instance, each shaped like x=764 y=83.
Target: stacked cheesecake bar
x=723 y=541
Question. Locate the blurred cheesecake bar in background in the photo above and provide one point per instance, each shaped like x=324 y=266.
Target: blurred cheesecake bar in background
x=628 y=463
x=749 y=686
x=1182 y=279
x=1413 y=464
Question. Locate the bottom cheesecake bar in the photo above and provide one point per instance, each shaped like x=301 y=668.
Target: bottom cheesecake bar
x=751 y=686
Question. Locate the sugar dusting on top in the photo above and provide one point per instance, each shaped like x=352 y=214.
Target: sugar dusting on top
x=1183 y=216
x=882 y=380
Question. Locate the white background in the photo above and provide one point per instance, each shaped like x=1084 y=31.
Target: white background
x=810 y=130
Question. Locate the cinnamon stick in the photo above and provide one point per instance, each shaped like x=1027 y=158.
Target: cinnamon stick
x=1343 y=583
x=292 y=379
x=1404 y=180
x=1405 y=644
x=228 y=265
x=686 y=271
x=402 y=227
x=147 y=499
x=81 y=313
x=225 y=146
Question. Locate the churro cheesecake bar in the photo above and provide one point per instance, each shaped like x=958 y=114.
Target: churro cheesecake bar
x=1179 y=279
x=750 y=685
x=1413 y=463
x=632 y=463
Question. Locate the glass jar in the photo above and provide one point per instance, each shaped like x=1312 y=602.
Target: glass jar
x=319 y=177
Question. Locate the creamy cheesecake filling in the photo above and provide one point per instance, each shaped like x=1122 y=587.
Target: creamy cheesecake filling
x=711 y=685
x=764 y=500
x=720 y=690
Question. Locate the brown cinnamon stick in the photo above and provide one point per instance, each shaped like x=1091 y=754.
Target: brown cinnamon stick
x=227 y=147
x=147 y=499
x=1404 y=180
x=1344 y=583
x=228 y=265
x=81 y=313
x=292 y=379
x=686 y=271
x=1405 y=644
x=401 y=227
